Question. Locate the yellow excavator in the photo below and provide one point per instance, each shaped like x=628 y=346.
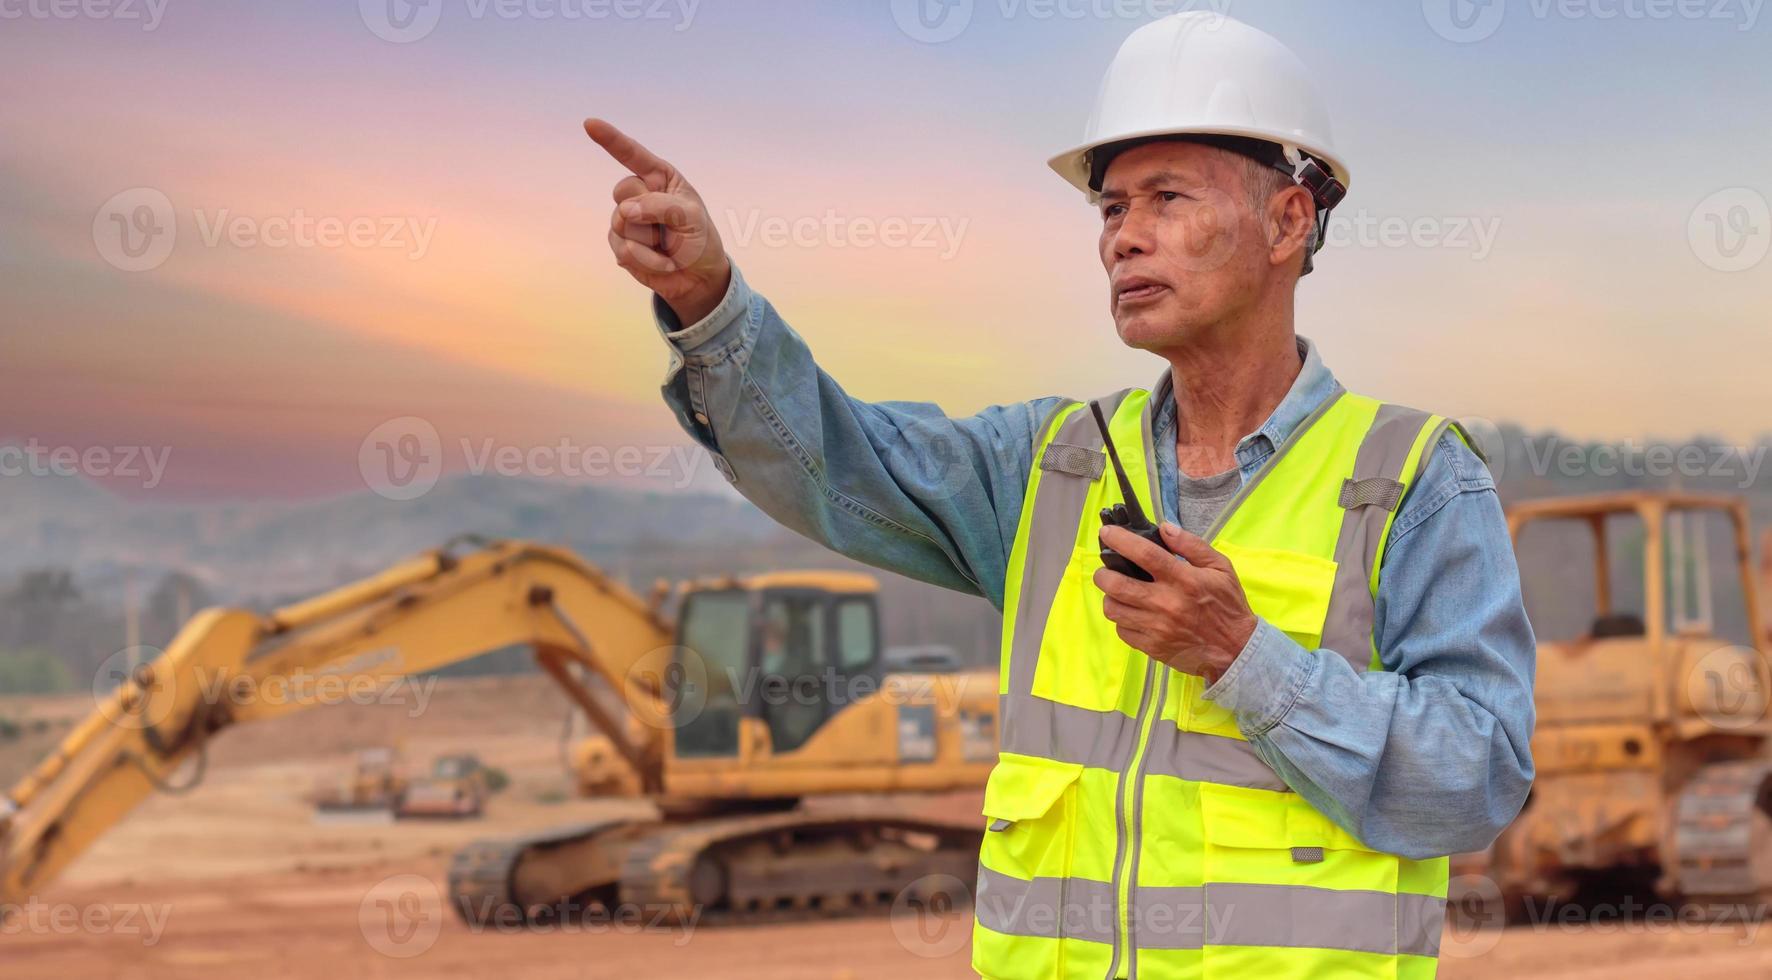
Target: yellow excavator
x=764 y=692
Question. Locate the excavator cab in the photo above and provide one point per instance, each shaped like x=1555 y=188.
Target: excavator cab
x=1652 y=696
x=781 y=651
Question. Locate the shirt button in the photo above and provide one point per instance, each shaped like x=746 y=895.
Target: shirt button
x=701 y=417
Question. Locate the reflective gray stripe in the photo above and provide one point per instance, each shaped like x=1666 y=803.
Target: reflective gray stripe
x=1169 y=918
x=1075 y=460
x=1204 y=758
x=1348 y=628
x=1220 y=914
x=1323 y=918
x=1052 y=534
x=1049 y=908
x=1067 y=733
x=1105 y=740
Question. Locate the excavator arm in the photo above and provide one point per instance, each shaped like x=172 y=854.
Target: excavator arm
x=228 y=667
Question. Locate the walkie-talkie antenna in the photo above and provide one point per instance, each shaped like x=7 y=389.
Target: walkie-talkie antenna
x=1132 y=509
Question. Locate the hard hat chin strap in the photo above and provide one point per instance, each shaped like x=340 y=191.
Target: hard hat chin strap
x=1326 y=192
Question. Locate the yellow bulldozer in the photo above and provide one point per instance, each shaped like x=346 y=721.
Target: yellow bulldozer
x=1654 y=775
x=763 y=692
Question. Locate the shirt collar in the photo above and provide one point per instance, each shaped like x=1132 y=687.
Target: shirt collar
x=1314 y=385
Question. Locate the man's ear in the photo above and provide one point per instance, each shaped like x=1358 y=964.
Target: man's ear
x=1291 y=222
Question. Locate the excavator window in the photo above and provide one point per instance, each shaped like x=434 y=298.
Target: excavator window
x=817 y=648
x=716 y=626
x=856 y=639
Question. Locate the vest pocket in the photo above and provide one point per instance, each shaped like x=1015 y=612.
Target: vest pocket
x=1027 y=805
x=1289 y=589
x=1082 y=660
x=1281 y=879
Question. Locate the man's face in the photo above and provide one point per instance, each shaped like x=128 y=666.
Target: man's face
x=1182 y=247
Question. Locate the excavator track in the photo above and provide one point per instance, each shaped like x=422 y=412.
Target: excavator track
x=722 y=870
x=797 y=865
x=492 y=882
x=1722 y=833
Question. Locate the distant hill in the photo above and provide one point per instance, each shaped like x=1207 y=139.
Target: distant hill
x=261 y=555
x=85 y=544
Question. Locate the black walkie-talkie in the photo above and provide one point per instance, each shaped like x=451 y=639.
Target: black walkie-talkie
x=1127 y=515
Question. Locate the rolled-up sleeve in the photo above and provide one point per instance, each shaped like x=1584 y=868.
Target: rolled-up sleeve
x=1430 y=756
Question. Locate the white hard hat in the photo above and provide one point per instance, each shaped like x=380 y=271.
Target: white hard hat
x=1205 y=74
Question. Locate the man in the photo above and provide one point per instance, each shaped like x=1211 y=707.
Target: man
x=1254 y=763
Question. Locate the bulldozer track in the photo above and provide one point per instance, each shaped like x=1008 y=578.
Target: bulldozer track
x=1714 y=833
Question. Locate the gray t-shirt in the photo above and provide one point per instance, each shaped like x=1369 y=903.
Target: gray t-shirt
x=1200 y=501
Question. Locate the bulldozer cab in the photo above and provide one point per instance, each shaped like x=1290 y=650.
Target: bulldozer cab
x=1671 y=622
x=781 y=648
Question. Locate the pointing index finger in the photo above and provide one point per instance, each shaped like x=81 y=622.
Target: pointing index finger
x=626 y=150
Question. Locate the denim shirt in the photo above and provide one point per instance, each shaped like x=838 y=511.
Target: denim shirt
x=1428 y=757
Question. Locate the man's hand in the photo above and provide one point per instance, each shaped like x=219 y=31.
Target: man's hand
x=1193 y=618
x=661 y=231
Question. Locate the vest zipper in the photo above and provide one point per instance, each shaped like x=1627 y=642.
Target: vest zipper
x=1150 y=704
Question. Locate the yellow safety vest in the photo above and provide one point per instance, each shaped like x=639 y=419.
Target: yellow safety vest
x=1132 y=830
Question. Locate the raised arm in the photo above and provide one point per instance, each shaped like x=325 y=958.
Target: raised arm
x=898 y=485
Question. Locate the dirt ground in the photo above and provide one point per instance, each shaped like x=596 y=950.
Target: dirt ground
x=238 y=878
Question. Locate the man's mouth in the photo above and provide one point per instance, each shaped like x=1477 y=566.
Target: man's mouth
x=1134 y=291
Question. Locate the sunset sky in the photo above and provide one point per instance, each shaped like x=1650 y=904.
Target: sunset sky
x=1542 y=225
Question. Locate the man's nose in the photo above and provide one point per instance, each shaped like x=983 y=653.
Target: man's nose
x=1134 y=236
